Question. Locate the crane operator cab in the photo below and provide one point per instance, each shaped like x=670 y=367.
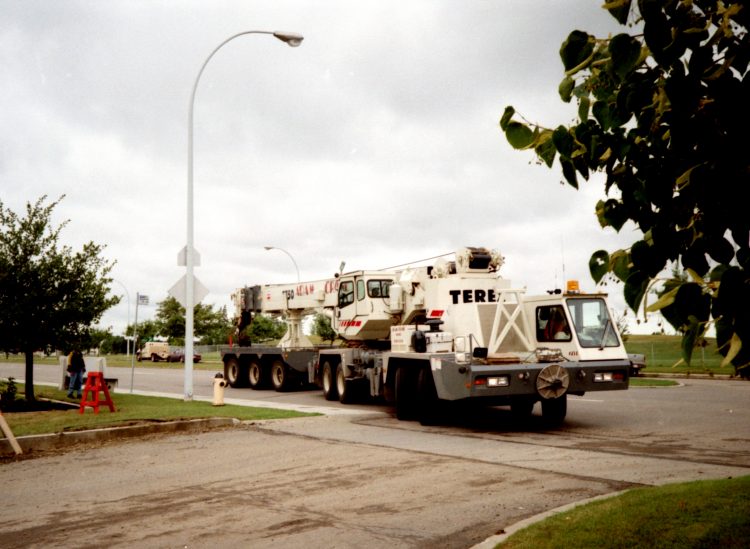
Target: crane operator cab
x=579 y=325
x=362 y=307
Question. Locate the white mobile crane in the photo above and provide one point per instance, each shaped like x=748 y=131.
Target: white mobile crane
x=422 y=337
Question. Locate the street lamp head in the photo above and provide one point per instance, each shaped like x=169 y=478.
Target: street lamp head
x=291 y=38
x=268 y=248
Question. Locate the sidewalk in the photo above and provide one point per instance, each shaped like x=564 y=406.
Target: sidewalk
x=32 y=444
x=55 y=441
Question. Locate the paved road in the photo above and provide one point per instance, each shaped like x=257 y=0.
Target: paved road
x=359 y=477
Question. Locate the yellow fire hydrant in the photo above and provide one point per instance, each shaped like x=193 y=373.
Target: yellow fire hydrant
x=219 y=384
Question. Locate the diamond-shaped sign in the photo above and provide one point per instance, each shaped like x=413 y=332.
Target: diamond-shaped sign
x=179 y=291
x=182 y=258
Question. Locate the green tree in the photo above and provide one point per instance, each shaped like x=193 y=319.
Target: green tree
x=264 y=328
x=170 y=320
x=50 y=296
x=214 y=325
x=211 y=326
x=146 y=330
x=114 y=345
x=664 y=114
x=321 y=327
x=95 y=339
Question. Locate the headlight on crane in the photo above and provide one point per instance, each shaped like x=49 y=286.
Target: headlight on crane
x=500 y=381
x=493 y=381
x=605 y=377
x=460 y=347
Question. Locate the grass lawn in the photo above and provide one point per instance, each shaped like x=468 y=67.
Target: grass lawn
x=652 y=382
x=703 y=514
x=663 y=352
x=129 y=409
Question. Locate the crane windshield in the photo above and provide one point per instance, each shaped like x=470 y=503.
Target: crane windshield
x=592 y=322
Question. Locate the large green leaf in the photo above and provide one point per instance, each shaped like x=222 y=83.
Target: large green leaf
x=693 y=331
x=576 y=49
x=619 y=10
x=601 y=112
x=645 y=258
x=720 y=250
x=689 y=302
x=735 y=346
x=625 y=51
x=635 y=288
x=566 y=89
x=621 y=264
x=519 y=135
x=564 y=142
x=545 y=148
x=611 y=214
x=569 y=171
x=599 y=265
x=664 y=301
x=583 y=108
x=507 y=115
x=656 y=30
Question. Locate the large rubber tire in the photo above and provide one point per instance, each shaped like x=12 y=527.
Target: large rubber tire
x=344 y=388
x=232 y=372
x=256 y=375
x=154 y=358
x=328 y=380
x=429 y=406
x=406 y=393
x=280 y=376
x=554 y=410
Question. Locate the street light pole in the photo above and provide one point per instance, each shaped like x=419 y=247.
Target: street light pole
x=287 y=253
x=293 y=40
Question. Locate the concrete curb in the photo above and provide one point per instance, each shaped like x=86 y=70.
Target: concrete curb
x=40 y=443
x=492 y=541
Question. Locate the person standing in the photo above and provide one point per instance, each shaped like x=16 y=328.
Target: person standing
x=76 y=368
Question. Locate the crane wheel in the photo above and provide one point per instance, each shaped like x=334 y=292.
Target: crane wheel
x=279 y=376
x=255 y=377
x=554 y=411
x=232 y=372
x=329 y=381
x=344 y=387
x=406 y=389
x=428 y=404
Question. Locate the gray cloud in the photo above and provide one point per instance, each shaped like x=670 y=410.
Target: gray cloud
x=375 y=142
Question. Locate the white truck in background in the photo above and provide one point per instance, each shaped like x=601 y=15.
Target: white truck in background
x=424 y=337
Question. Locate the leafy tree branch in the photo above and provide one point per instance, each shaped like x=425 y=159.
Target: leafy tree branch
x=663 y=113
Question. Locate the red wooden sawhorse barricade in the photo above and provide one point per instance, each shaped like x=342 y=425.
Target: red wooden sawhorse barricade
x=95 y=385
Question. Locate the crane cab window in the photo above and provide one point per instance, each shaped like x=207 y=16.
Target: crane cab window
x=551 y=324
x=592 y=323
x=378 y=288
x=346 y=293
x=360 y=290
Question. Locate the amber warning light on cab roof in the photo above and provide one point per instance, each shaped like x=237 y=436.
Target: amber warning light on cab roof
x=573 y=287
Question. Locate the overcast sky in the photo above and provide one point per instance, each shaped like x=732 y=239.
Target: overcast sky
x=376 y=142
